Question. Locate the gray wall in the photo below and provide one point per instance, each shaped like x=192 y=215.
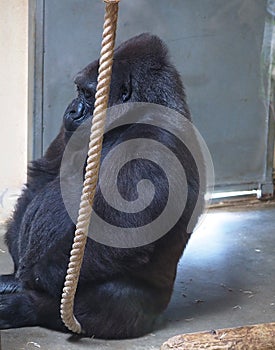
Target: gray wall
x=217 y=46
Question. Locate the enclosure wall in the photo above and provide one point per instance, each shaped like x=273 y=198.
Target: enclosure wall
x=13 y=100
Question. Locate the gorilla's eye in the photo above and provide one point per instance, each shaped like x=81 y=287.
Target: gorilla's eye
x=87 y=94
x=126 y=93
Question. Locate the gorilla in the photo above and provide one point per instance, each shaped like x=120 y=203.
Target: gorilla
x=121 y=291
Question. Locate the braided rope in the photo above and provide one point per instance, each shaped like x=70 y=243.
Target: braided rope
x=92 y=168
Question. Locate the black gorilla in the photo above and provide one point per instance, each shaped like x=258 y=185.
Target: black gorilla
x=121 y=291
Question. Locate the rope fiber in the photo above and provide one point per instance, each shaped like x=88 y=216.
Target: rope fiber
x=92 y=168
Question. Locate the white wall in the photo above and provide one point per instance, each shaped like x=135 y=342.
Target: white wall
x=13 y=101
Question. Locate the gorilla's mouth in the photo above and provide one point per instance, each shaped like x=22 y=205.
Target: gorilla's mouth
x=72 y=123
x=80 y=118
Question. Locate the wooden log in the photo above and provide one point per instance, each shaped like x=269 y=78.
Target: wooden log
x=257 y=337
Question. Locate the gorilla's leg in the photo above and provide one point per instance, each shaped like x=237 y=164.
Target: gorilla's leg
x=117 y=309
x=110 y=310
x=26 y=308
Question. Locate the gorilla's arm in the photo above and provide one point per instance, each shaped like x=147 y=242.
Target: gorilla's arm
x=40 y=172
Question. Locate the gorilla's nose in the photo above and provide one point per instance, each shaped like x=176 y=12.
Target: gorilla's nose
x=77 y=112
x=74 y=115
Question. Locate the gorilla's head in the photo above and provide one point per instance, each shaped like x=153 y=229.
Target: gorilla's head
x=142 y=72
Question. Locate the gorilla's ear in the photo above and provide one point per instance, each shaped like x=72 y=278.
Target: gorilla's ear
x=121 y=85
x=126 y=90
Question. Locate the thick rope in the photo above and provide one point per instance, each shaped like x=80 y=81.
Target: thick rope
x=92 y=168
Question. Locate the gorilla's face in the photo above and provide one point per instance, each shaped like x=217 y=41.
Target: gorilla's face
x=82 y=106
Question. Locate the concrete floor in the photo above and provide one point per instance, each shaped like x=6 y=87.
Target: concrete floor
x=226 y=278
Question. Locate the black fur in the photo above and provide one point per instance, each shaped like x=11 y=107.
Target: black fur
x=121 y=291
